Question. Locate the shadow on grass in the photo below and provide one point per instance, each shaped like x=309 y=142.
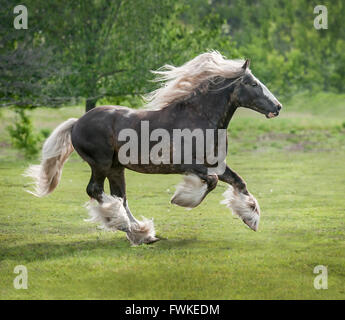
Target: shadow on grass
x=52 y=250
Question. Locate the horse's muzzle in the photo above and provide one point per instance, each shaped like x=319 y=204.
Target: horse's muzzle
x=276 y=113
x=272 y=114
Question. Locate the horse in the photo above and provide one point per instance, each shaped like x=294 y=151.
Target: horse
x=201 y=95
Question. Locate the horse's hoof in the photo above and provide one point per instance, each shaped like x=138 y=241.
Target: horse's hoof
x=136 y=242
x=243 y=205
x=151 y=240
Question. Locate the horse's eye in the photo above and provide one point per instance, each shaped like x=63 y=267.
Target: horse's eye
x=254 y=84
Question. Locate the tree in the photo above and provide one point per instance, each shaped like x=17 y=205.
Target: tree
x=107 y=44
x=101 y=48
x=111 y=45
x=28 y=69
x=287 y=52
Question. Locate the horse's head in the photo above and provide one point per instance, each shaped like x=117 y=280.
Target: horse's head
x=251 y=93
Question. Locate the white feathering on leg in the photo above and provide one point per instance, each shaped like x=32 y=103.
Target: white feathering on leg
x=113 y=216
x=142 y=232
x=190 y=192
x=244 y=206
x=110 y=213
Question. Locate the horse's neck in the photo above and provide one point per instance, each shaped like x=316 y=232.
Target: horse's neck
x=215 y=107
x=218 y=108
x=228 y=112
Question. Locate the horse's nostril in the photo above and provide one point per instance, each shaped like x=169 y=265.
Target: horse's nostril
x=279 y=106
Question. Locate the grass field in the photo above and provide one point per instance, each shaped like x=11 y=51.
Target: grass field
x=295 y=167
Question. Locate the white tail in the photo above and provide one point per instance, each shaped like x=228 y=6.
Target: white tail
x=56 y=150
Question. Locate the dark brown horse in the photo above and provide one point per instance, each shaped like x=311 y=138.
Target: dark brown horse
x=196 y=98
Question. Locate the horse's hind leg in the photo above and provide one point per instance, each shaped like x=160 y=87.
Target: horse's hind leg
x=95 y=188
x=117 y=185
x=109 y=210
x=239 y=199
x=139 y=231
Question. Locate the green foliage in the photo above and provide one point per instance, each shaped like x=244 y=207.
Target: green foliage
x=31 y=72
x=100 y=49
x=23 y=136
x=287 y=52
x=132 y=101
x=45 y=133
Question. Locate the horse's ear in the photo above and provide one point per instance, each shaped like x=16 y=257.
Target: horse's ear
x=246 y=64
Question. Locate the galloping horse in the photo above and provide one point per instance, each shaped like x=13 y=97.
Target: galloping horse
x=200 y=96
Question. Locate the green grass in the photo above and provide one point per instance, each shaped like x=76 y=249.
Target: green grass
x=204 y=253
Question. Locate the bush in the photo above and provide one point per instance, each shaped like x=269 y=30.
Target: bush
x=23 y=136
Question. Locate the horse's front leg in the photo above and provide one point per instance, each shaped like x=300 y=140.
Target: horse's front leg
x=194 y=188
x=240 y=200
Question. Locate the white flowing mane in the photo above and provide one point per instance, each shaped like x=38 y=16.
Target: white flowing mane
x=178 y=83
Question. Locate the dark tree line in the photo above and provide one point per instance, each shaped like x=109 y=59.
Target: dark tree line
x=104 y=49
